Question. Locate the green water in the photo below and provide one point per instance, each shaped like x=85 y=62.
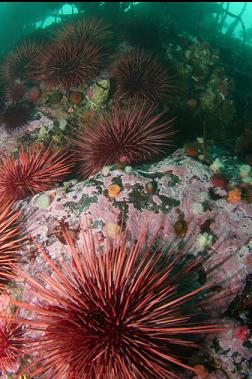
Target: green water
x=19 y=18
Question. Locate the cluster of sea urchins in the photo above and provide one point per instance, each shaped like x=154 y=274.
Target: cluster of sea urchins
x=120 y=310
x=71 y=56
x=74 y=54
x=128 y=134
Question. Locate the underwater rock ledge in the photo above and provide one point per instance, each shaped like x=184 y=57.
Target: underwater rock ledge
x=174 y=194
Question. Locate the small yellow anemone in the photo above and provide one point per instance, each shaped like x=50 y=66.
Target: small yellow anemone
x=234 y=195
x=114 y=190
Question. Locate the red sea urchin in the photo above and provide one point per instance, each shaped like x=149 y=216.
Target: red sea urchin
x=35 y=170
x=117 y=312
x=85 y=29
x=14 y=92
x=133 y=134
x=20 y=63
x=11 y=345
x=70 y=64
x=11 y=239
x=77 y=54
x=16 y=115
x=140 y=74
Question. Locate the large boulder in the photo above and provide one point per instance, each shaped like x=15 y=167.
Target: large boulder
x=175 y=196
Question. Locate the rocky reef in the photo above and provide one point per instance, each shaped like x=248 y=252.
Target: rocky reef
x=139 y=135
x=174 y=194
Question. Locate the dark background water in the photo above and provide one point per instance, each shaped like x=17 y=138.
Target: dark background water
x=19 y=18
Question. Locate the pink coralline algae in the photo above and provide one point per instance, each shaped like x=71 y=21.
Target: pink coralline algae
x=231 y=352
x=230 y=225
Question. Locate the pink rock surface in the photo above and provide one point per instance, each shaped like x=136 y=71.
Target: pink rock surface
x=180 y=182
x=230 y=224
x=231 y=351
